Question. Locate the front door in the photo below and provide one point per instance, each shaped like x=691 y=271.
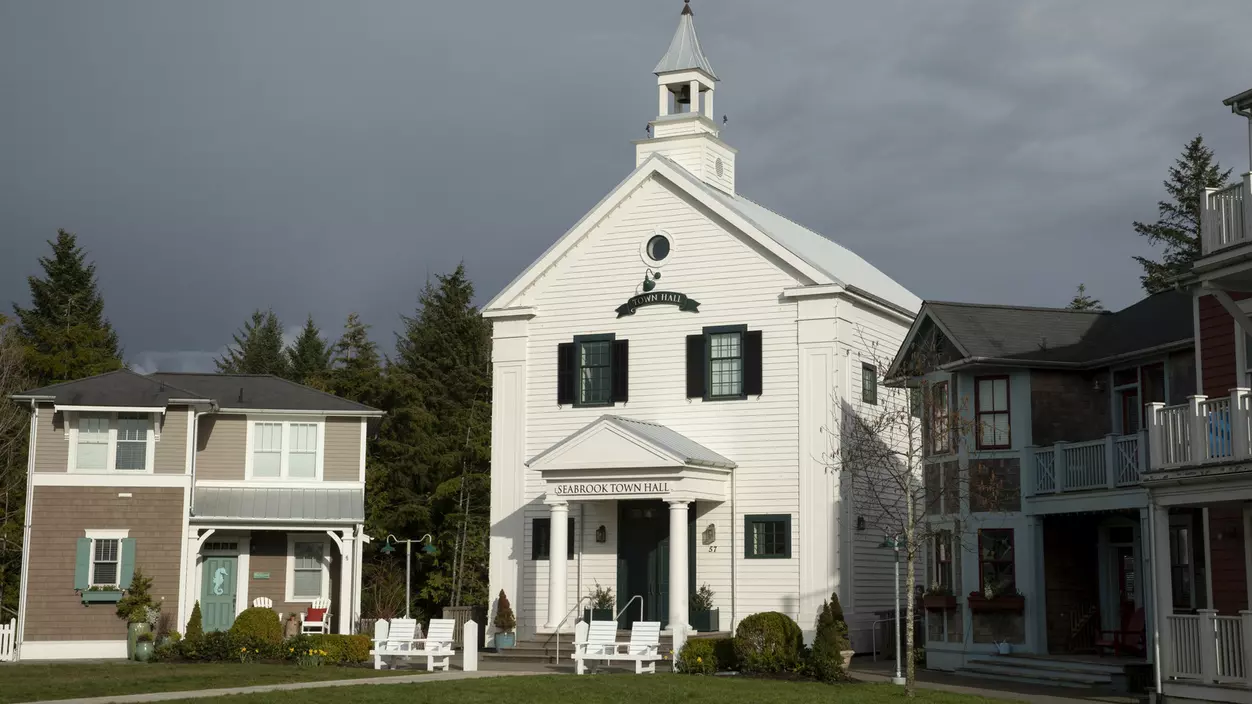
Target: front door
x=643 y=560
x=217 y=592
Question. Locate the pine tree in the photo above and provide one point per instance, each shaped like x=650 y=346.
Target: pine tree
x=1081 y=301
x=355 y=368
x=308 y=358
x=64 y=331
x=258 y=348
x=1178 y=223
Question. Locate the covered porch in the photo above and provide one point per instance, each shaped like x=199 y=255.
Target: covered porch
x=648 y=476
x=240 y=553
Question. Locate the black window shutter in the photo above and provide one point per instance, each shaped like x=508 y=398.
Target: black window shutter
x=566 y=373
x=695 y=366
x=752 y=363
x=539 y=539
x=569 y=540
x=621 y=370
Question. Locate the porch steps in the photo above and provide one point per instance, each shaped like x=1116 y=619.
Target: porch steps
x=542 y=651
x=1042 y=671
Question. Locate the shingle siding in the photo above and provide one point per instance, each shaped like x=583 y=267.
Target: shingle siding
x=171 y=449
x=342 y=461
x=52 y=447
x=61 y=515
x=221 y=447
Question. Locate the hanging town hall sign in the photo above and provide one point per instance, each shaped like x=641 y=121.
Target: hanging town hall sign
x=657 y=298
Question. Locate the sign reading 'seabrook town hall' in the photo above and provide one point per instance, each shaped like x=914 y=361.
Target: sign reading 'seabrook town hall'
x=613 y=488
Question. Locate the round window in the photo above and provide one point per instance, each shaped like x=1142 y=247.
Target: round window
x=658 y=248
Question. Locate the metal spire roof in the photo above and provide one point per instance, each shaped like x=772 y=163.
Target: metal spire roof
x=684 y=49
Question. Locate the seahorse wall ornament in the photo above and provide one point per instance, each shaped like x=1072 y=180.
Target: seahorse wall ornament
x=219 y=581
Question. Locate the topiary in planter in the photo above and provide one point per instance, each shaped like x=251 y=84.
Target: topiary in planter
x=768 y=642
x=505 y=621
x=830 y=642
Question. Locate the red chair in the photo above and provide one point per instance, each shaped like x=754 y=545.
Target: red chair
x=1132 y=638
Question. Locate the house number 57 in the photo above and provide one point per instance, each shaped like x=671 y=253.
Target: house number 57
x=712 y=548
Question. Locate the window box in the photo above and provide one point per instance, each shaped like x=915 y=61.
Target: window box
x=938 y=602
x=101 y=596
x=1014 y=603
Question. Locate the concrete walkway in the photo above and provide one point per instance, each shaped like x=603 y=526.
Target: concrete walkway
x=1008 y=691
x=203 y=693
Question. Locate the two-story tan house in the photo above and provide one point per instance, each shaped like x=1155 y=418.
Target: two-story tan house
x=222 y=488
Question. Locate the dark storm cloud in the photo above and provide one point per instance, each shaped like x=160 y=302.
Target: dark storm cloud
x=324 y=157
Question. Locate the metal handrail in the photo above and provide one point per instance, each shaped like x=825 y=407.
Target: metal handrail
x=627 y=606
x=571 y=612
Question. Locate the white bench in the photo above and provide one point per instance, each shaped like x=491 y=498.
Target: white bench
x=401 y=640
x=599 y=642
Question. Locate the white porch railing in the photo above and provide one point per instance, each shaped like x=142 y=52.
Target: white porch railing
x=1224 y=216
x=1210 y=648
x=1114 y=461
x=1201 y=430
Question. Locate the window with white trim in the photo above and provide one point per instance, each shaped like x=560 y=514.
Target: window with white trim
x=106 y=555
x=285 y=450
x=308 y=568
x=111 y=442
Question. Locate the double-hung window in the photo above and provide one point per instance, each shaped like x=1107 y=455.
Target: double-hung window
x=593 y=370
x=992 y=412
x=767 y=536
x=111 y=442
x=996 y=561
x=308 y=577
x=724 y=363
x=869 y=384
x=104 y=561
x=106 y=555
x=943 y=560
x=285 y=449
x=938 y=437
x=595 y=380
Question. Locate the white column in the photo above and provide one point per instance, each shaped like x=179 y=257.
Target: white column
x=678 y=563
x=1162 y=587
x=695 y=97
x=662 y=100
x=708 y=103
x=1239 y=422
x=557 y=551
x=347 y=568
x=1197 y=426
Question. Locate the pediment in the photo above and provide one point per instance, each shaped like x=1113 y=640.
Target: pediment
x=604 y=445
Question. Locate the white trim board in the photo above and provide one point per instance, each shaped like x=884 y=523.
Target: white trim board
x=74 y=650
x=138 y=480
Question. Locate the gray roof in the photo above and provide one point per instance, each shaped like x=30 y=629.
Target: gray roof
x=117 y=388
x=1059 y=335
x=667 y=439
x=280 y=504
x=260 y=392
x=684 y=49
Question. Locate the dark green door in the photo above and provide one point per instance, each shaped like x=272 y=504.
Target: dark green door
x=643 y=560
x=217 y=592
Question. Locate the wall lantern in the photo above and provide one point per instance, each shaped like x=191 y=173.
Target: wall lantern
x=860 y=522
x=709 y=535
x=602 y=535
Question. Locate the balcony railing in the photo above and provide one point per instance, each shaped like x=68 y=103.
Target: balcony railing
x=1112 y=462
x=1209 y=648
x=1200 y=431
x=1225 y=216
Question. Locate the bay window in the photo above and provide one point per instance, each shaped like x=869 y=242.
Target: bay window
x=285 y=449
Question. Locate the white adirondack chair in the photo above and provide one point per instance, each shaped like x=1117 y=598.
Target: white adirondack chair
x=437 y=645
x=320 y=626
x=393 y=641
x=263 y=602
x=599 y=642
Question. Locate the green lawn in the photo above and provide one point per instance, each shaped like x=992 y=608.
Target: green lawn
x=33 y=681
x=603 y=689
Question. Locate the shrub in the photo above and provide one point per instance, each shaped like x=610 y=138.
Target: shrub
x=698 y=657
x=826 y=660
x=341 y=649
x=195 y=626
x=144 y=638
x=768 y=642
x=724 y=650
x=215 y=647
x=257 y=625
x=134 y=605
x=505 y=620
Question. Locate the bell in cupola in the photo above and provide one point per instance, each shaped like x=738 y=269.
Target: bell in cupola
x=683 y=96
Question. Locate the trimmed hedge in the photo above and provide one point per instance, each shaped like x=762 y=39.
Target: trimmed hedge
x=348 y=650
x=698 y=657
x=225 y=646
x=768 y=642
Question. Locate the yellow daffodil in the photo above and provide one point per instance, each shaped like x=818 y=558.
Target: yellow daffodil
x=699 y=659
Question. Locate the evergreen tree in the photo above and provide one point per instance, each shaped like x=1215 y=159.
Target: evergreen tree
x=258 y=348
x=1178 y=223
x=356 y=371
x=308 y=358
x=1081 y=301
x=64 y=331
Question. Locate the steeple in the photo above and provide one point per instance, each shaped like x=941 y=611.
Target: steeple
x=685 y=128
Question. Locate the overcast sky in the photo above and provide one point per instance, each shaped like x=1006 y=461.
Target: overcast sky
x=323 y=157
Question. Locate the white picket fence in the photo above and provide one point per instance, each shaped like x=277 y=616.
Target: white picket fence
x=8 y=640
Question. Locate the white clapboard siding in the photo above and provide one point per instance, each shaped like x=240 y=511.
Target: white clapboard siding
x=579 y=295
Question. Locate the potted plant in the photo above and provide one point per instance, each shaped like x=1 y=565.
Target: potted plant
x=143 y=646
x=938 y=598
x=134 y=607
x=704 y=618
x=993 y=598
x=505 y=622
x=601 y=605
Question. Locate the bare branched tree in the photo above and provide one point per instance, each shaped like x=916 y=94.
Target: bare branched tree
x=13 y=438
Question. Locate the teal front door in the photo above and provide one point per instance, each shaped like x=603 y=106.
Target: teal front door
x=217 y=592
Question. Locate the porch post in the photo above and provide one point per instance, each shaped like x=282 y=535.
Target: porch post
x=1162 y=589
x=557 y=551
x=678 y=564
x=347 y=550
x=1239 y=422
x=1245 y=624
x=1197 y=427
x=1156 y=439
x=1208 y=645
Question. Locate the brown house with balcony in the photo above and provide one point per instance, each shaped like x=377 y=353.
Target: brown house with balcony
x=1034 y=430
x=224 y=489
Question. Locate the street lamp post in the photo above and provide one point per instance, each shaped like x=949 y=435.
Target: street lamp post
x=388 y=548
x=893 y=542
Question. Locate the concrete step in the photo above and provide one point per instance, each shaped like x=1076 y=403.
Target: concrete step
x=1019 y=679
x=1011 y=669
x=1041 y=662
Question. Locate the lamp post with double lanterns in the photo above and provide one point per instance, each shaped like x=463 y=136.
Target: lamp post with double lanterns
x=893 y=542
x=389 y=547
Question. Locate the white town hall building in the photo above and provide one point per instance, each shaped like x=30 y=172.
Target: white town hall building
x=665 y=376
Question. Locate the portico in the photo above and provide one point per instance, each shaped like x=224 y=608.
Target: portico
x=617 y=459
